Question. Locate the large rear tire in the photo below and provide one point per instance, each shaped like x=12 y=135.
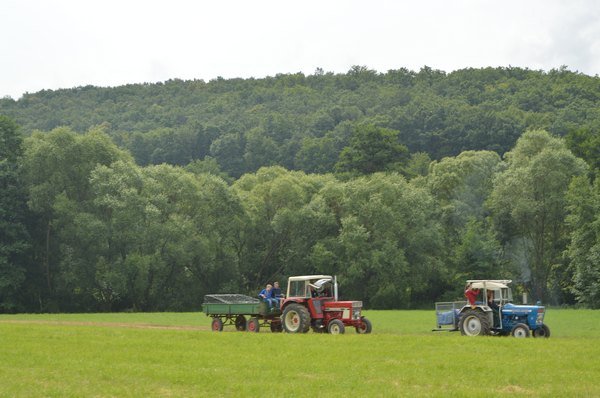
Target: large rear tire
x=474 y=323
x=543 y=331
x=365 y=326
x=296 y=319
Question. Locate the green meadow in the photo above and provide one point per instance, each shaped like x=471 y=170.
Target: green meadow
x=177 y=355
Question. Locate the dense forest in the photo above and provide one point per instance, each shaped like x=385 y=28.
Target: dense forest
x=404 y=184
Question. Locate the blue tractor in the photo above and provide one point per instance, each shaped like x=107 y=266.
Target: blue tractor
x=492 y=313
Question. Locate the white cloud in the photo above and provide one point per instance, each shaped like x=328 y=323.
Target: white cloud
x=67 y=43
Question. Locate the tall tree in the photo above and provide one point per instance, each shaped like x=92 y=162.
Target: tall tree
x=372 y=149
x=585 y=143
x=57 y=168
x=584 y=246
x=167 y=237
x=386 y=247
x=279 y=227
x=461 y=185
x=529 y=208
x=13 y=235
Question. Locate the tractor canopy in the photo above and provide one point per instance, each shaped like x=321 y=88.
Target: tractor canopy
x=307 y=286
x=492 y=284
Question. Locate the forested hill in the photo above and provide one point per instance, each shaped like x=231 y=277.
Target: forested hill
x=312 y=123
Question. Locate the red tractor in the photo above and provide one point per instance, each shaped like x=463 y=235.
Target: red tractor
x=312 y=302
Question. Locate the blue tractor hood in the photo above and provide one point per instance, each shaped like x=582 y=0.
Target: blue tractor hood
x=532 y=315
x=521 y=308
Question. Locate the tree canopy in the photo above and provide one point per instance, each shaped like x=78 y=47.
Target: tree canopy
x=404 y=184
x=314 y=123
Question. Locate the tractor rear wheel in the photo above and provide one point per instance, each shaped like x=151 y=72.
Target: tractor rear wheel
x=240 y=323
x=296 y=319
x=365 y=326
x=474 y=323
x=543 y=331
x=520 y=330
x=336 y=327
x=217 y=324
x=253 y=325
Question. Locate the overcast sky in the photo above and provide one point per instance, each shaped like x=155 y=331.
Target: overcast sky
x=51 y=44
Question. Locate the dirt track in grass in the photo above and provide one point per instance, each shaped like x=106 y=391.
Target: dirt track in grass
x=106 y=324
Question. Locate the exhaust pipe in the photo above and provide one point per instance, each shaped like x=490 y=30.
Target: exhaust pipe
x=335 y=288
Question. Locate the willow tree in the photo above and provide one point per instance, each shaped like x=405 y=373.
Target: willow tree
x=13 y=236
x=529 y=208
x=584 y=247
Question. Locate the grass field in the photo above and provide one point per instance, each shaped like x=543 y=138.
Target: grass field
x=176 y=355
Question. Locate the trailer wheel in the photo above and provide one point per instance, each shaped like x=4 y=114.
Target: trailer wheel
x=336 y=327
x=217 y=324
x=474 y=323
x=240 y=323
x=364 y=327
x=253 y=325
x=520 y=330
x=543 y=331
x=296 y=319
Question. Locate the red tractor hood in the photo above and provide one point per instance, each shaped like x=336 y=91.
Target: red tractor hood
x=342 y=304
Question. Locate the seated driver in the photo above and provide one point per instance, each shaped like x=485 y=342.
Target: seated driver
x=471 y=294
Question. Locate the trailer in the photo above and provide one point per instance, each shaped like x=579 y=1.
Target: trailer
x=243 y=312
x=447 y=315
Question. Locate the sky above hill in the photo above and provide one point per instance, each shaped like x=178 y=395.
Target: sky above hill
x=69 y=43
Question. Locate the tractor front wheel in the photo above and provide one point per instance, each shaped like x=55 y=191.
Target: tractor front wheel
x=543 y=331
x=296 y=319
x=217 y=324
x=253 y=325
x=520 y=330
x=336 y=327
x=474 y=323
x=364 y=327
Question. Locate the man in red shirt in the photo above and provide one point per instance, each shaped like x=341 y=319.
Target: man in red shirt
x=471 y=294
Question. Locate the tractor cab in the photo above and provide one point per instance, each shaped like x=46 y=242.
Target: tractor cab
x=313 y=291
x=492 y=296
x=307 y=287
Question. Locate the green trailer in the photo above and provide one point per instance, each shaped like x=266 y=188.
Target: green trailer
x=232 y=310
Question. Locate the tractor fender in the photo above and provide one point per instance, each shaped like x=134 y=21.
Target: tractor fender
x=287 y=302
x=483 y=308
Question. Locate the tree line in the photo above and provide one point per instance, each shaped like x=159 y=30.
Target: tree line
x=403 y=184
x=84 y=228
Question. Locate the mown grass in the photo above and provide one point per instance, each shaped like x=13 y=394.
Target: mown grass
x=95 y=355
